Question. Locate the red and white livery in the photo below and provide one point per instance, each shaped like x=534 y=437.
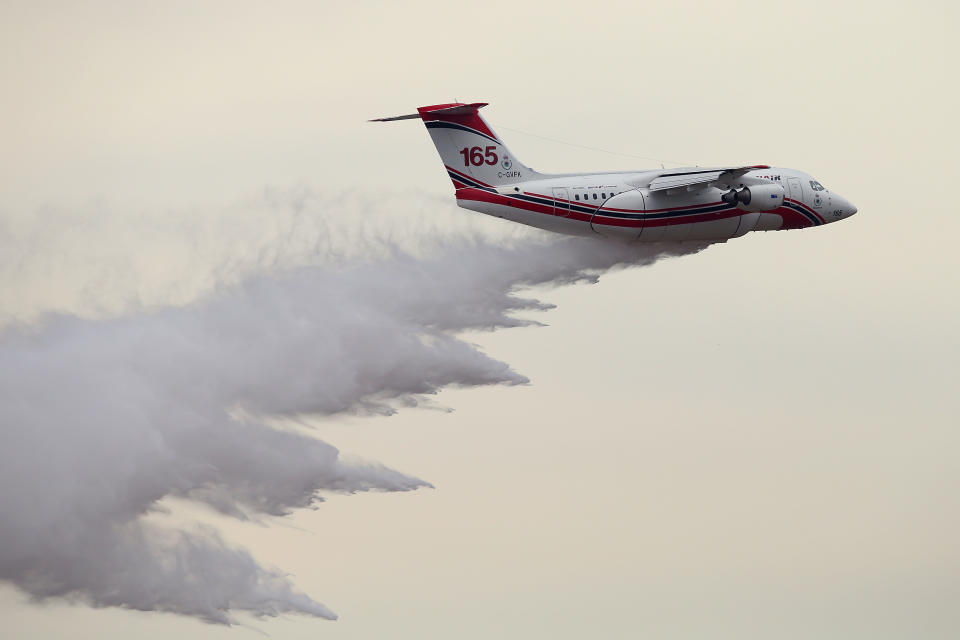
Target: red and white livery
x=660 y=205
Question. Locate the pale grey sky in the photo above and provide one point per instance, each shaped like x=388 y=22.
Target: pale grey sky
x=759 y=440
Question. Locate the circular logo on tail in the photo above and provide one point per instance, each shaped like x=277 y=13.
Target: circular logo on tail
x=506 y=164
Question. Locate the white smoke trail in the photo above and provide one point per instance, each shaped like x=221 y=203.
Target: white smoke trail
x=102 y=418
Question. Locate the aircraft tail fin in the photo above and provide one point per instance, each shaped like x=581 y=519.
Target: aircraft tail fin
x=473 y=155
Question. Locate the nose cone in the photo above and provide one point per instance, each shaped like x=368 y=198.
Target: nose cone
x=841 y=207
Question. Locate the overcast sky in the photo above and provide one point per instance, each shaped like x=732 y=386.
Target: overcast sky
x=757 y=440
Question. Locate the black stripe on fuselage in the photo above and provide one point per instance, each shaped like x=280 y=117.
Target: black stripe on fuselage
x=710 y=208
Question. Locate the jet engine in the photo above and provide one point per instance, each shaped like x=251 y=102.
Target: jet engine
x=755 y=198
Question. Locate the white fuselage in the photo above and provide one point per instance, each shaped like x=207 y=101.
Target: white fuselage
x=609 y=204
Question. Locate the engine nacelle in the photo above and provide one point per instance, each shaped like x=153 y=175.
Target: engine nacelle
x=757 y=197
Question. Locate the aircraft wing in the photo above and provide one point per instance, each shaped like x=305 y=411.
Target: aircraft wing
x=692 y=179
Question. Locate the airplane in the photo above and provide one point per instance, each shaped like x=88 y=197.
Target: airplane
x=656 y=205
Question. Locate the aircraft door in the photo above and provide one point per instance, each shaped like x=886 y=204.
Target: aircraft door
x=561 y=202
x=796 y=189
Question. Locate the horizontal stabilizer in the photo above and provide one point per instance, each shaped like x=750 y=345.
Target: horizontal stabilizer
x=409 y=116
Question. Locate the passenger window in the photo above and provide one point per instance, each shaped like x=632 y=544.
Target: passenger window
x=594 y=196
x=576 y=197
x=603 y=195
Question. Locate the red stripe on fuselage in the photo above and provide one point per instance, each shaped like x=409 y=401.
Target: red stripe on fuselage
x=585 y=203
x=599 y=218
x=791 y=219
x=479 y=195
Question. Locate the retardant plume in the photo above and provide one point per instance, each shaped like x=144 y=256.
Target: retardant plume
x=100 y=419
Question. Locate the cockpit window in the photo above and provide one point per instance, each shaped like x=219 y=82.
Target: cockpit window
x=816 y=186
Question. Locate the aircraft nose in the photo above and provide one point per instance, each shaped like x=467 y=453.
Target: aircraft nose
x=843 y=208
